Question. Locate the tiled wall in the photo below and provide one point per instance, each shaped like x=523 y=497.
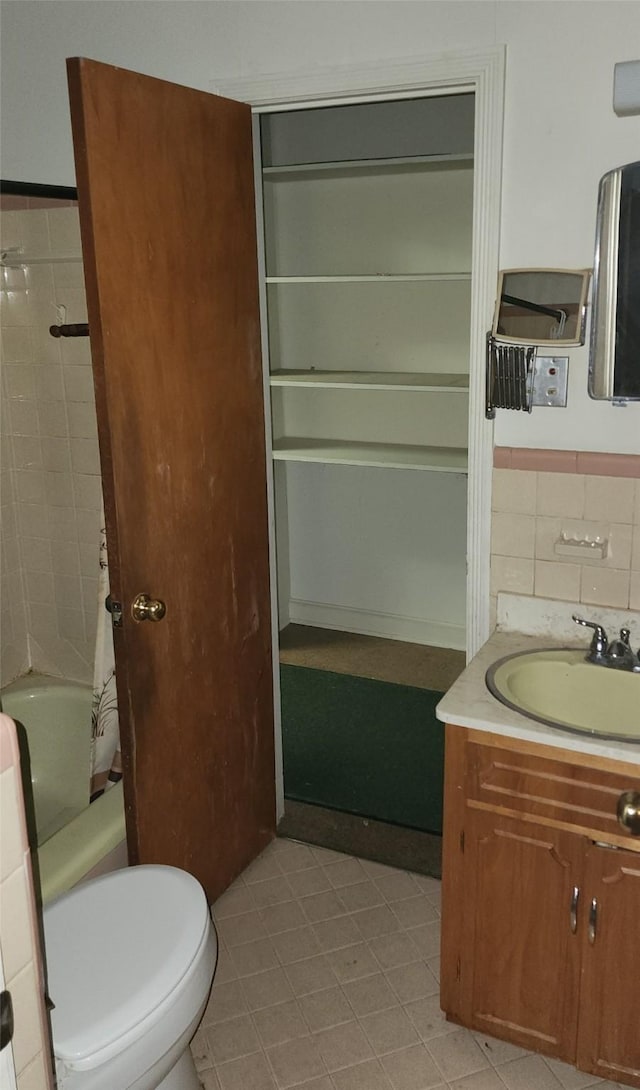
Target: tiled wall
x=19 y=938
x=533 y=507
x=51 y=489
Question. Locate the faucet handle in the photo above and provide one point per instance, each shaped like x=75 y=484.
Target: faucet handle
x=598 y=640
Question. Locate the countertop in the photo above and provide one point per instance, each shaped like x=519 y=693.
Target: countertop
x=468 y=703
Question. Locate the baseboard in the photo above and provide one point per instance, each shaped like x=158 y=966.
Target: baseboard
x=390 y=626
x=367 y=838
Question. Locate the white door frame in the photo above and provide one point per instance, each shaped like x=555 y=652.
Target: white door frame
x=480 y=71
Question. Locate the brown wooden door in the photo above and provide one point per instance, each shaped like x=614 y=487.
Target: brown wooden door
x=165 y=187
x=520 y=962
x=609 y=1027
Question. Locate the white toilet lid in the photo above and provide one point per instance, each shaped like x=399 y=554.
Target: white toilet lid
x=116 y=947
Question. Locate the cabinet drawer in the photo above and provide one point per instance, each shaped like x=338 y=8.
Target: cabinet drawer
x=542 y=788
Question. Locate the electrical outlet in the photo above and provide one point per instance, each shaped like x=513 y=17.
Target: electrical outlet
x=550 y=380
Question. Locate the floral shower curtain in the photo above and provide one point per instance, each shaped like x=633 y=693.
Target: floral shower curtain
x=106 y=763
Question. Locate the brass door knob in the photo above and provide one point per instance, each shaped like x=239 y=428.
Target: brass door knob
x=628 y=811
x=144 y=608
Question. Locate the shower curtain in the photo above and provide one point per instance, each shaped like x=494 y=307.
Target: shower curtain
x=106 y=763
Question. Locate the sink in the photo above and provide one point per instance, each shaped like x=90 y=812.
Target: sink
x=557 y=687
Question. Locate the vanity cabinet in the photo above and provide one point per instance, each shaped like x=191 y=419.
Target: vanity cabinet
x=541 y=902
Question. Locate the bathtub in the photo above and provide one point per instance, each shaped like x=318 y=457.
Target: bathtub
x=74 y=841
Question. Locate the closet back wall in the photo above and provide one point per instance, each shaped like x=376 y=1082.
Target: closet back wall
x=51 y=489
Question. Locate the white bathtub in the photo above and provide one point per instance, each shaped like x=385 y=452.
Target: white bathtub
x=75 y=841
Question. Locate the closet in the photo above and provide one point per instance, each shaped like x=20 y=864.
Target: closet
x=367 y=213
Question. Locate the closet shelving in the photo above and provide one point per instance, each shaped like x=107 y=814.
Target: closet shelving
x=368 y=282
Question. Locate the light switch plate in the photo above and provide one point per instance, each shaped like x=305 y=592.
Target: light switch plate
x=550 y=380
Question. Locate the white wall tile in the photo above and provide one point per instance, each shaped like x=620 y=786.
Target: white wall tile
x=553 y=580
x=512 y=534
x=561 y=494
x=605 y=587
x=514 y=491
x=610 y=499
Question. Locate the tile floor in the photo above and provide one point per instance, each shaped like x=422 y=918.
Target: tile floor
x=327 y=979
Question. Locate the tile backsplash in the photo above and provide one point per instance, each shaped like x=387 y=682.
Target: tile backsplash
x=19 y=933
x=51 y=488
x=535 y=512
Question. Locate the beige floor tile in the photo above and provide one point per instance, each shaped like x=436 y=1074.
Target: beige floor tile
x=346 y=872
x=232 y=1039
x=322 y=1010
x=415 y=911
x=334 y=934
x=365 y=1076
x=305 y=882
x=266 y=989
x=428 y=1019
x=457 y=1055
x=327 y=979
x=295 y=1062
x=280 y=1023
x=413 y=981
x=226 y=1001
x=372 y=922
x=412 y=1069
x=480 y=1080
x=273 y=891
x=247 y=1073
x=395 y=949
x=572 y=1079
x=322 y=906
x=282 y=917
x=361 y=895
x=343 y=1046
x=236 y=900
x=311 y=975
x=396 y=886
x=528 y=1072
x=389 y=1030
x=254 y=957
x=353 y=962
x=370 y=994
x=427 y=938
x=295 y=945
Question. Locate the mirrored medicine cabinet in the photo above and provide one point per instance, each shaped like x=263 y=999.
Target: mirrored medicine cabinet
x=614 y=350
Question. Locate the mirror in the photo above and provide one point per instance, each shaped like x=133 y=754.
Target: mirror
x=614 y=355
x=541 y=306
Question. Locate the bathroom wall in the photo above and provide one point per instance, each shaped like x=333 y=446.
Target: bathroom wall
x=539 y=496
x=20 y=953
x=560 y=136
x=51 y=489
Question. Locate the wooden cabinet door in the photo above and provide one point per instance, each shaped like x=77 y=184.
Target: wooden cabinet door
x=609 y=1026
x=167 y=214
x=520 y=963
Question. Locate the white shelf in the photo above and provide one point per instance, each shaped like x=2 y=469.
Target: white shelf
x=377 y=277
x=381 y=455
x=372 y=380
x=360 y=166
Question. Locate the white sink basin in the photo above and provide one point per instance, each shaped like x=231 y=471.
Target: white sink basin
x=559 y=688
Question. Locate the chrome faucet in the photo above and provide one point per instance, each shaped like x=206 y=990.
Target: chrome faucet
x=617 y=654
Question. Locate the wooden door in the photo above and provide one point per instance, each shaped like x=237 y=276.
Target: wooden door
x=165 y=188
x=609 y=1027
x=520 y=962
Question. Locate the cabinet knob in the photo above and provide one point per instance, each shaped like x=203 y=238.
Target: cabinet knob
x=628 y=811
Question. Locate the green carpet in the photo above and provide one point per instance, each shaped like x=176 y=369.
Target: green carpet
x=362 y=746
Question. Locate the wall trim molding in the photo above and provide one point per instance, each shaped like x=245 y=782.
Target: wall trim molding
x=481 y=71
x=588 y=462
x=392 y=626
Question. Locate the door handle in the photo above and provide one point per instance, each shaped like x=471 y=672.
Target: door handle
x=573 y=911
x=144 y=608
x=593 y=920
x=628 y=811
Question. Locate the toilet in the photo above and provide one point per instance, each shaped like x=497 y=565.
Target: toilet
x=130 y=961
